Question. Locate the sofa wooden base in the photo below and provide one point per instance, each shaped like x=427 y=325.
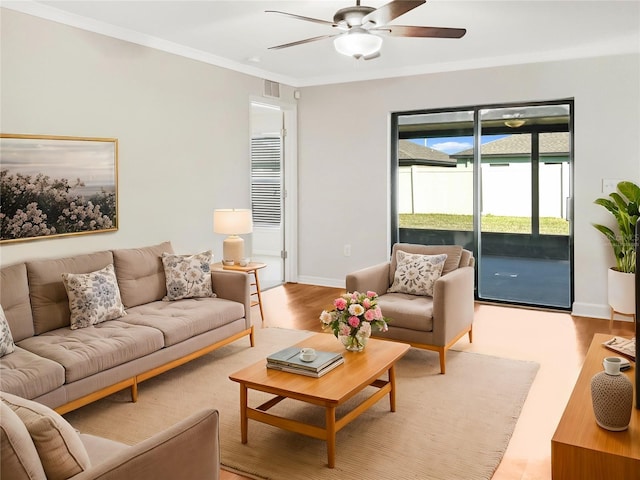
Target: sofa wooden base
x=192 y=356
x=134 y=381
x=97 y=395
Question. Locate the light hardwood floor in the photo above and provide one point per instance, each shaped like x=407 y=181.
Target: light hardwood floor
x=556 y=340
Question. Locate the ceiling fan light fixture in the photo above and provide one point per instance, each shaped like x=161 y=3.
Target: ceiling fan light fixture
x=514 y=120
x=357 y=42
x=515 y=123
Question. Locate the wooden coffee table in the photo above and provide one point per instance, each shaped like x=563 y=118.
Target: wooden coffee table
x=360 y=370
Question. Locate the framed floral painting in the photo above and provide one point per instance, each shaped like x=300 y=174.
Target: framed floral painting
x=53 y=186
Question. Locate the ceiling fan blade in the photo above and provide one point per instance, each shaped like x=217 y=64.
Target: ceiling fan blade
x=300 y=17
x=391 y=11
x=411 y=31
x=300 y=42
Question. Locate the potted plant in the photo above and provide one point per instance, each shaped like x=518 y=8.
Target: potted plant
x=623 y=205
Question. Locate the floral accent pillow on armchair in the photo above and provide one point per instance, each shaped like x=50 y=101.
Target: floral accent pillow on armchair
x=417 y=274
x=188 y=276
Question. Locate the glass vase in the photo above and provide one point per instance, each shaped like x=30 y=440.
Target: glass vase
x=353 y=343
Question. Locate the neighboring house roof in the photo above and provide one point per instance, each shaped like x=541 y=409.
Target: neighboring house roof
x=556 y=142
x=410 y=153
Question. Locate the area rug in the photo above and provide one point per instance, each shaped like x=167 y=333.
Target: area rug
x=446 y=427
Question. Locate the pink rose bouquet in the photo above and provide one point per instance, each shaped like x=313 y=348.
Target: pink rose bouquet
x=353 y=318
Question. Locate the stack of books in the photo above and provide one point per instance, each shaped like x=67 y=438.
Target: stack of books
x=288 y=360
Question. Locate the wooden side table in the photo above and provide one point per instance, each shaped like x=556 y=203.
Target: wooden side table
x=251 y=269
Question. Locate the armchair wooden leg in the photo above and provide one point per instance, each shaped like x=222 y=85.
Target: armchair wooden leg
x=251 y=339
x=443 y=359
x=471 y=334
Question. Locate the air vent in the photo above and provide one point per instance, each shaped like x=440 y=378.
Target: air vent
x=271 y=89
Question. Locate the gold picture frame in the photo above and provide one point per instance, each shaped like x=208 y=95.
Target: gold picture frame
x=53 y=186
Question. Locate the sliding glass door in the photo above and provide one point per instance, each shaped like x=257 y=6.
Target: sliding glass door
x=524 y=236
x=497 y=181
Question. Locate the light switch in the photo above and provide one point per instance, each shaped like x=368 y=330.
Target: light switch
x=609 y=185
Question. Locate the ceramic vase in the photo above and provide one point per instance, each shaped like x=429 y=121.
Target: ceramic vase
x=612 y=397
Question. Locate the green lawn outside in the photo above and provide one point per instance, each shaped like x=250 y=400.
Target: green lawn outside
x=490 y=223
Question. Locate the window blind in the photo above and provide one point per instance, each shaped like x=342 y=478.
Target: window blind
x=266 y=181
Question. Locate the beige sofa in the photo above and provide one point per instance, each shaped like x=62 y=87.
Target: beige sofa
x=66 y=369
x=429 y=322
x=38 y=444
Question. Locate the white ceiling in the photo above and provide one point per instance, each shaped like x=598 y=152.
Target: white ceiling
x=237 y=34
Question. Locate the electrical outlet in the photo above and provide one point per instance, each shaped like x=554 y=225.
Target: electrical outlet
x=609 y=185
x=347 y=250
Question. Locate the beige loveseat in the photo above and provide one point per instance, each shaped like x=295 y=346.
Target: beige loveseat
x=433 y=322
x=66 y=368
x=38 y=444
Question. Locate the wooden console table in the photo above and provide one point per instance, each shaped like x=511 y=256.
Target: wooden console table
x=580 y=449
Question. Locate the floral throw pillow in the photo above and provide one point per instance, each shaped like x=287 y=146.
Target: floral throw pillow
x=6 y=339
x=93 y=297
x=188 y=276
x=417 y=274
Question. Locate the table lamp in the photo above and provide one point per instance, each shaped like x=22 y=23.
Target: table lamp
x=232 y=222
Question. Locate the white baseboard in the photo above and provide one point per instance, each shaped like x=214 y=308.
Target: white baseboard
x=322 y=282
x=593 y=310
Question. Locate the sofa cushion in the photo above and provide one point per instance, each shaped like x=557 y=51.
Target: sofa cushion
x=59 y=447
x=416 y=274
x=93 y=297
x=408 y=311
x=19 y=459
x=49 y=300
x=140 y=274
x=94 y=349
x=14 y=294
x=187 y=276
x=6 y=339
x=454 y=253
x=185 y=318
x=28 y=375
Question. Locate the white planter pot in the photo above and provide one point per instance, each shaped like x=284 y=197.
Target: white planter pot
x=622 y=291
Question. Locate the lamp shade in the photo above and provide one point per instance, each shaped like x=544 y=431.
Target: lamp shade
x=357 y=42
x=232 y=221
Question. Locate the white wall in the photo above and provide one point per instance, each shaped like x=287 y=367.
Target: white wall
x=182 y=126
x=183 y=130
x=344 y=149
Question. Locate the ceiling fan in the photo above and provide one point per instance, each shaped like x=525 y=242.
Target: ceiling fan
x=360 y=28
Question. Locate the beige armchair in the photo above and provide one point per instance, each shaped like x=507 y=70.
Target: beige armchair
x=37 y=444
x=433 y=323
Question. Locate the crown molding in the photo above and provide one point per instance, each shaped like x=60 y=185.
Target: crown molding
x=55 y=15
